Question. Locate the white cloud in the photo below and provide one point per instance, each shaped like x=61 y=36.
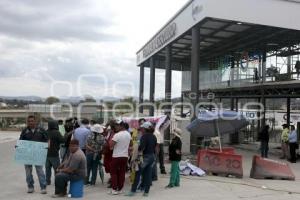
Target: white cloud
x=42 y=42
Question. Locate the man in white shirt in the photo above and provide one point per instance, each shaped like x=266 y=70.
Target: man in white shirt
x=120 y=145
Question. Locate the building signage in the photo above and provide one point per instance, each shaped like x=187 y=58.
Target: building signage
x=165 y=35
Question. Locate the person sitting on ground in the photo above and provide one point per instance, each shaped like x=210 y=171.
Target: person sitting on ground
x=175 y=158
x=72 y=169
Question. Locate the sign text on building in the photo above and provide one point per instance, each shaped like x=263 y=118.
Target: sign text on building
x=166 y=34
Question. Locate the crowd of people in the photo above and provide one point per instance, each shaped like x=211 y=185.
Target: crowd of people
x=80 y=151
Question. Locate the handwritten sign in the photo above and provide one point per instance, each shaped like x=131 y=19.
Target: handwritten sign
x=31 y=153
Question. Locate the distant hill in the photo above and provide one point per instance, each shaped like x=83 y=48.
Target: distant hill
x=73 y=99
x=23 y=98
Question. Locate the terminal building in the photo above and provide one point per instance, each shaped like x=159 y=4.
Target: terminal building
x=231 y=52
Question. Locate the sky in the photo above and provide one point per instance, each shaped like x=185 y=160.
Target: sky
x=79 y=47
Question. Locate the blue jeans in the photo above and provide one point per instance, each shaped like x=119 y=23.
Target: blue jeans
x=92 y=166
x=51 y=162
x=40 y=174
x=146 y=172
x=154 y=169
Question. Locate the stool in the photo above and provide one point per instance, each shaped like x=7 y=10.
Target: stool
x=76 y=189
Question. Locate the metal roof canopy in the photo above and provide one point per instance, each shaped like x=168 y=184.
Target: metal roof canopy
x=271 y=90
x=253 y=25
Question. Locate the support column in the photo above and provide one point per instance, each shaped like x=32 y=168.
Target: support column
x=232 y=103
x=258 y=117
x=168 y=79
x=264 y=65
x=195 y=64
x=181 y=106
x=210 y=104
x=237 y=72
x=234 y=138
x=289 y=65
x=232 y=71
x=152 y=85
x=260 y=68
x=263 y=102
x=288 y=111
x=141 y=97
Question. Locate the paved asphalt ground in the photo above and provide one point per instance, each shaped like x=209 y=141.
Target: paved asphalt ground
x=13 y=185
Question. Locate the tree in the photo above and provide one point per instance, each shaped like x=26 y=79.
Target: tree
x=52 y=100
x=129 y=100
x=89 y=99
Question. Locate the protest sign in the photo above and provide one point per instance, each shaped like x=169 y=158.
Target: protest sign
x=133 y=122
x=31 y=153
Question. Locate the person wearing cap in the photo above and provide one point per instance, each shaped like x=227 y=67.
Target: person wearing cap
x=120 y=146
x=175 y=158
x=72 y=169
x=94 y=148
x=284 y=141
x=293 y=143
x=146 y=151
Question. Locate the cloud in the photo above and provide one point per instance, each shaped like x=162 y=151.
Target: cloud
x=58 y=20
x=43 y=42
